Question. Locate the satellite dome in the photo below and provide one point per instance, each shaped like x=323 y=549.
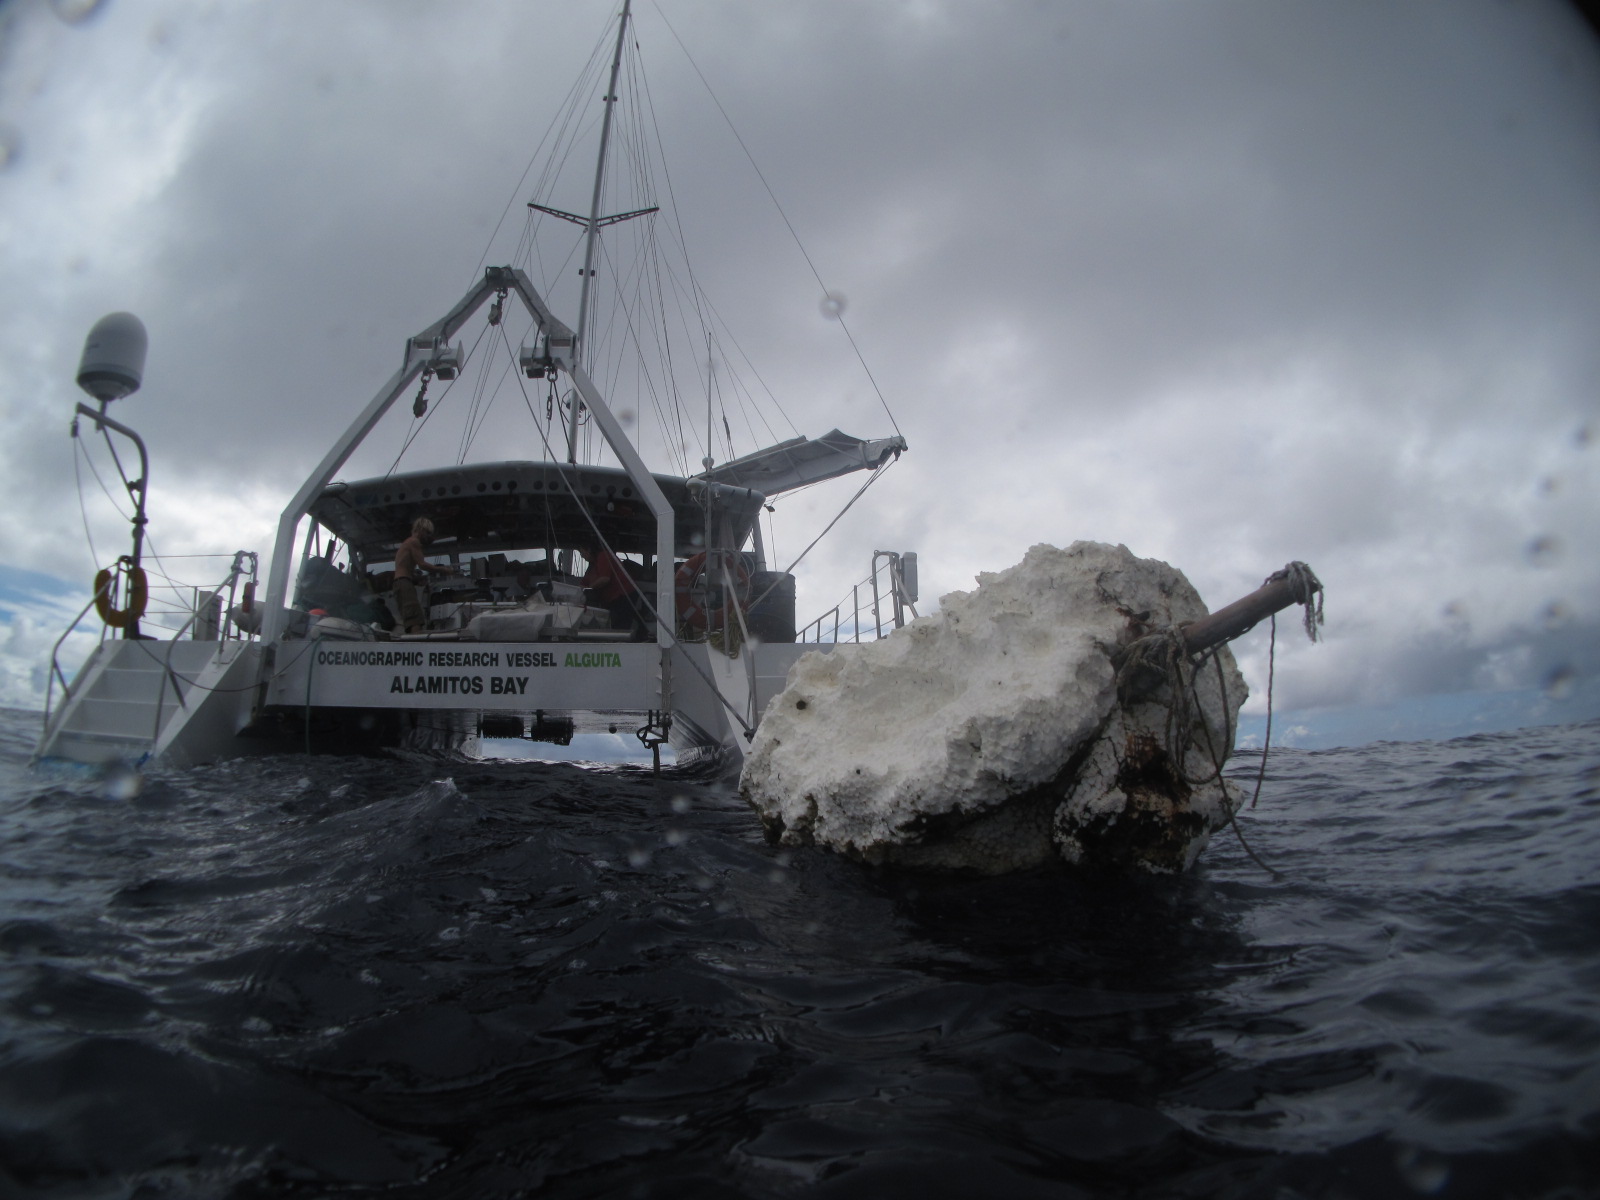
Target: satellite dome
x=113 y=357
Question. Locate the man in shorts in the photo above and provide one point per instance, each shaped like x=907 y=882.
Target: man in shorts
x=409 y=564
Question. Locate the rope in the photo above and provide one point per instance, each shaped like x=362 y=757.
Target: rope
x=77 y=475
x=1217 y=759
x=817 y=275
x=1162 y=658
x=749 y=730
x=1222 y=689
x=95 y=471
x=1308 y=591
x=144 y=645
x=1266 y=742
x=871 y=479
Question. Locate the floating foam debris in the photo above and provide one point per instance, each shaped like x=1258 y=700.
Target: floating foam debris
x=996 y=735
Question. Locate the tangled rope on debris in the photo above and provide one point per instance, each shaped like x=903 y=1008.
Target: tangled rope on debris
x=1160 y=668
x=1308 y=592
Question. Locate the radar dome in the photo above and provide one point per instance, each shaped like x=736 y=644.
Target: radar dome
x=113 y=357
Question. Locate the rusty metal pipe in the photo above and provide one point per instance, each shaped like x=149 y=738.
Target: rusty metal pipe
x=1277 y=594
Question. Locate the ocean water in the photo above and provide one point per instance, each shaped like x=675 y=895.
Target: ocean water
x=406 y=978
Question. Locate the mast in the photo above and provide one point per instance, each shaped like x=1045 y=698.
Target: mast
x=580 y=350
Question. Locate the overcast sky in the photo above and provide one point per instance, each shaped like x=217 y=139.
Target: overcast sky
x=1233 y=283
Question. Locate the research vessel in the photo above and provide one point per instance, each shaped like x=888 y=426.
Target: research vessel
x=683 y=645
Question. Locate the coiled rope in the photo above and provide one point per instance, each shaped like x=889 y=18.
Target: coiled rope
x=1163 y=658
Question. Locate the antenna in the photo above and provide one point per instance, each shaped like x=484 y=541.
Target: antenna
x=113 y=367
x=113 y=357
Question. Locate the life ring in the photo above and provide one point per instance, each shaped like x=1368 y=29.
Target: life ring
x=109 y=582
x=693 y=609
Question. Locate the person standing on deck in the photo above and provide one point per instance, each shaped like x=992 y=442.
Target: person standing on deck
x=611 y=587
x=409 y=561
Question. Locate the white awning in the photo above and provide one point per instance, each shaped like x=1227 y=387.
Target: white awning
x=800 y=461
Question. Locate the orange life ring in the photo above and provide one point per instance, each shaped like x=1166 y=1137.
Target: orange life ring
x=692 y=609
x=109 y=582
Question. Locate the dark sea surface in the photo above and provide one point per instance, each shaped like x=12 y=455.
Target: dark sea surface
x=340 y=977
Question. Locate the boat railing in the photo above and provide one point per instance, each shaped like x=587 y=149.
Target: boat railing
x=212 y=612
x=874 y=608
x=208 y=615
x=55 y=662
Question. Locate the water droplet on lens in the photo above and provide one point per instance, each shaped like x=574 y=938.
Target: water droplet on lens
x=676 y=837
x=1582 y=436
x=638 y=858
x=1556 y=614
x=75 y=12
x=10 y=145
x=681 y=804
x=1559 y=683
x=627 y=416
x=833 y=305
x=1544 y=551
x=121 y=782
x=1425 y=1171
x=1550 y=485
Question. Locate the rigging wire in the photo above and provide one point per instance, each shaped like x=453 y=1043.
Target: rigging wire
x=150 y=554
x=472 y=434
x=417 y=426
x=817 y=275
x=600 y=538
x=77 y=450
x=640 y=147
x=871 y=479
x=558 y=128
x=702 y=302
x=644 y=383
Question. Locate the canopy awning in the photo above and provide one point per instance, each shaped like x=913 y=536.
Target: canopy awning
x=800 y=461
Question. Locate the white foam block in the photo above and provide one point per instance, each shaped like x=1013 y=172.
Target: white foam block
x=988 y=736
